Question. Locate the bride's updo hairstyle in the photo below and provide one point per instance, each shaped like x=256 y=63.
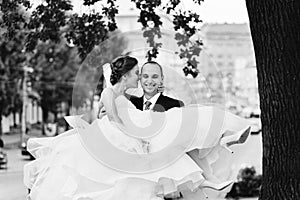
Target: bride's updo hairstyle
x=121 y=66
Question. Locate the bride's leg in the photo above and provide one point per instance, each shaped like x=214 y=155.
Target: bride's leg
x=204 y=165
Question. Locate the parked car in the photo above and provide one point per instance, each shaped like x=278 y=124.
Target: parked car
x=3 y=160
x=32 y=132
x=3 y=156
x=24 y=151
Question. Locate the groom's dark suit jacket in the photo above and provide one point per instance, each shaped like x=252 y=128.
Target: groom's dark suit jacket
x=162 y=104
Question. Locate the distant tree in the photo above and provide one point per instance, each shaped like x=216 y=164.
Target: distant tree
x=54 y=69
x=51 y=19
x=55 y=64
x=11 y=57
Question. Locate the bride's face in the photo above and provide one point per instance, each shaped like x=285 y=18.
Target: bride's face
x=133 y=78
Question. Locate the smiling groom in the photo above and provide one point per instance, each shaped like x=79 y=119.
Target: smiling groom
x=151 y=78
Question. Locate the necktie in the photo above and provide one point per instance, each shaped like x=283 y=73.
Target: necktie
x=147 y=105
x=145 y=143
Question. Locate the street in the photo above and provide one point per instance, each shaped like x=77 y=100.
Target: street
x=11 y=179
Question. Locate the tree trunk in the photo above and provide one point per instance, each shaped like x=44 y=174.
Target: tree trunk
x=20 y=117
x=44 y=117
x=1 y=131
x=14 y=119
x=275 y=33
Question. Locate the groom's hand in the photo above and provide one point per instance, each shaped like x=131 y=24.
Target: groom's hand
x=161 y=88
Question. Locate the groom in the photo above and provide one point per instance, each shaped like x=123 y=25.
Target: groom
x=151 y=78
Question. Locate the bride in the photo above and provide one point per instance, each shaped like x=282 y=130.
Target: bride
x=107 y=160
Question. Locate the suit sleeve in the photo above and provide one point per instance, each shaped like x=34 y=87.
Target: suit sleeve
x=174 y=103
x=181 y=104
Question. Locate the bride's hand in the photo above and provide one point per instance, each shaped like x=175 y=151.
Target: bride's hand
x=161 y=88
x=101 y=113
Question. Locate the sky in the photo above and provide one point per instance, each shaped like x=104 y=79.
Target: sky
x=221 y=11
x=210 y=11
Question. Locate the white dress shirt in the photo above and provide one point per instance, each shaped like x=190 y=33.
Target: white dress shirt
x=152 y=100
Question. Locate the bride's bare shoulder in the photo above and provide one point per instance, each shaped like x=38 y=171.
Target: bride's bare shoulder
x=107 y=93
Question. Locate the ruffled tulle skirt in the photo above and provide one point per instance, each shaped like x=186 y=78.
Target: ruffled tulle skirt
x=78 y=164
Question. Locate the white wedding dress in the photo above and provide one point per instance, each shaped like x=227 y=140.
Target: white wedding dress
x=102 y=161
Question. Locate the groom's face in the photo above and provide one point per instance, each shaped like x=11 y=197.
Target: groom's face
x=151 y=78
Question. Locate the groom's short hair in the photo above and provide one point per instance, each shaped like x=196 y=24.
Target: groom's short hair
x=155 y=63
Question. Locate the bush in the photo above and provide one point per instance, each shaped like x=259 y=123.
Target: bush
x=248 y=184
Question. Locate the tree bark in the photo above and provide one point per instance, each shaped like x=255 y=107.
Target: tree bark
x=1 y=131
x=275 y=33
x=14 y=119
x=44 y=117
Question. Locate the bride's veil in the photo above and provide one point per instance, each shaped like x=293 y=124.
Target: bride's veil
x=107 y=73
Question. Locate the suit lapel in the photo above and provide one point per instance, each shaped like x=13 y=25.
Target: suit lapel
x=140 y=103
x=137 y=101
